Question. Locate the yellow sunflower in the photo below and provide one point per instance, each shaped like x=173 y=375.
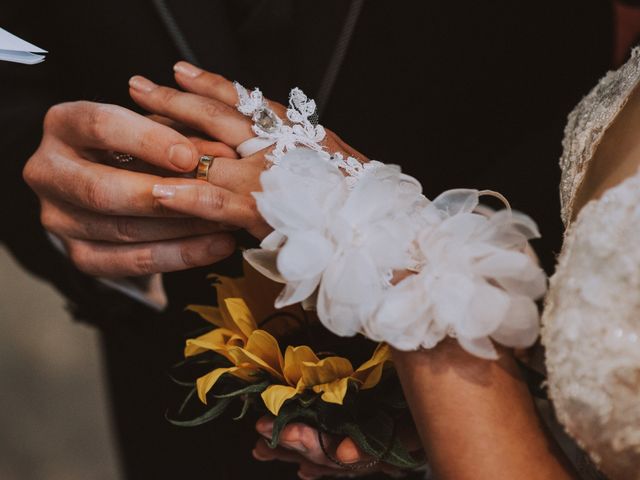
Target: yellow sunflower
x=251 y=350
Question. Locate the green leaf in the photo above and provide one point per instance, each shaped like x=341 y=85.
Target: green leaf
x=212 y=413
x=245 y=408
x=252 y=388
x=186 y=400
x=376 y=437
x=182 y=383
x=290 y=412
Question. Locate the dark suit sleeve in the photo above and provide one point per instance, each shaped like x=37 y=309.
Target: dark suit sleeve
x=26 y=93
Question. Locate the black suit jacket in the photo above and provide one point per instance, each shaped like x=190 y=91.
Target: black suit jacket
x=460 y=94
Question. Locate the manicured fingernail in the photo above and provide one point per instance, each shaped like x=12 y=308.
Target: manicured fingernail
x=187 y=69
x=163 y=191
x=141 y=84
x=181 y=156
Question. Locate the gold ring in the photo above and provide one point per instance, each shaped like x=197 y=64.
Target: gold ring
x=205 y=162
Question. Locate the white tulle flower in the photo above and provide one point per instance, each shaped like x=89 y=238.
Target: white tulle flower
x=343 y=242
x=336 y=244
x=476 y=282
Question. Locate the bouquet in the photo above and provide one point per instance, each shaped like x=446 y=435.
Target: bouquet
x=252 y=360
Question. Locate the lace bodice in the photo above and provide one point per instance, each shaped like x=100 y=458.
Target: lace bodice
x=591 y=323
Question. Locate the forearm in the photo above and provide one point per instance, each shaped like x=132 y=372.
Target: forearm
x=475 y=417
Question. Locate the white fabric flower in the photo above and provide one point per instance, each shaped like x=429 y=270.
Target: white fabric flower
x=343 y=241
x=336 y=244
x=476 y=282
x=297 y=201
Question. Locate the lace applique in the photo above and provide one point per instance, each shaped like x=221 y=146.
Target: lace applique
x=303 y=130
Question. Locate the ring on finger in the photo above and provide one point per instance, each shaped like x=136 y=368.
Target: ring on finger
x=204 y=164
x=123 y=158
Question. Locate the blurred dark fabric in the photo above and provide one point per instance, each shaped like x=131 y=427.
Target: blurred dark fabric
x=460 y=94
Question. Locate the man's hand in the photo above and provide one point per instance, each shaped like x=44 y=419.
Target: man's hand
x=106 y=216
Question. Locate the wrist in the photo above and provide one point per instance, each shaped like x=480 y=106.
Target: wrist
x=449 y=356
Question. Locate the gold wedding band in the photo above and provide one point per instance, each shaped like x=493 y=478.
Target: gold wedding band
x=205 y=162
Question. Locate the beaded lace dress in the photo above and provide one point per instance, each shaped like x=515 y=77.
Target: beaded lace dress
x=591 y=323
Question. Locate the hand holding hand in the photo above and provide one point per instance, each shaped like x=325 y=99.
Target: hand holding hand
x=208 y=106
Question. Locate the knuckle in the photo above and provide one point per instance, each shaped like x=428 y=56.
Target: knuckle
x=40 y=169
x=143 y=262
x=80 y=256
x=96 y=116
x=97 y=195
x=92 y=229
x=214 y=197
x=216 y=80
x=30 y=173
x=54 y=115
x=189 y=257
x=148 y=141
x=125 y=229
x=214 y=108
x=165 y=94
x=49 y=219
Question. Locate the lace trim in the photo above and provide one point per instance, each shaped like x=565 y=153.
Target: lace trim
x=587 y=124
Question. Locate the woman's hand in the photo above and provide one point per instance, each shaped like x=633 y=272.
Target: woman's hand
x=208 y=106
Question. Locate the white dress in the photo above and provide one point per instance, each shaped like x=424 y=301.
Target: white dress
x=591 y=322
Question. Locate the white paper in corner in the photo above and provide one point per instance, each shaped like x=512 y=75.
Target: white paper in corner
x=14 y=49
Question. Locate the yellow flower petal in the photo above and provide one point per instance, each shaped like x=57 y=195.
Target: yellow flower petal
x=265 y=346
x=325 y=371
x=293 y=359
x=217 y=340
x=246 y=373
x=228 y=287
x=333 y=392
x=206 y=382
x=241 y=317
x=370 y=372
x=262 y=351
x=209 y=313
x=275 y=396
